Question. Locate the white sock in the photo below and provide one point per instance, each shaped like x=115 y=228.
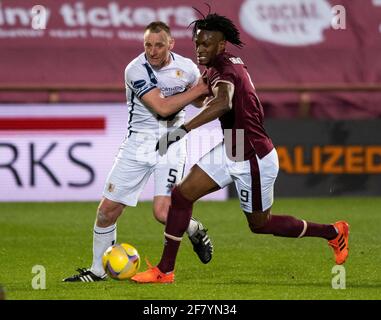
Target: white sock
x=102 y=239
x=193 y=227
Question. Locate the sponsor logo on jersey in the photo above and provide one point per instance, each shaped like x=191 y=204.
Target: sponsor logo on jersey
x=138 y=84
x=170 y=91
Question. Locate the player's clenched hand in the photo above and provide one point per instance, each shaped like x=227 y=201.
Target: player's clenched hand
x=202 y=86
x=170 y=137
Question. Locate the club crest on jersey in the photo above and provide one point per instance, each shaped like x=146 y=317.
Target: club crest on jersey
x=111 y=187
x=138 y=84
x=179 y=73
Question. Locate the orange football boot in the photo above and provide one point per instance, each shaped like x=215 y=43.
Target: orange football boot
x=153 y=275
x=340 y=243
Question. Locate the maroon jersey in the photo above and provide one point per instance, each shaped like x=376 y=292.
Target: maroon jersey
x=246 y=112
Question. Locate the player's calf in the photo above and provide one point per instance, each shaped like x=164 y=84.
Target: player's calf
x=258 y=220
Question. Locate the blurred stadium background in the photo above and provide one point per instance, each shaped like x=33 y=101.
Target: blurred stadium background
x=316 y=67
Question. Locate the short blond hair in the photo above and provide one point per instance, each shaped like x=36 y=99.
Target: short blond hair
x=158 y=26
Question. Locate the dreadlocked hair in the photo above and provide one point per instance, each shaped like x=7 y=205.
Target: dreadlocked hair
x=215 y=22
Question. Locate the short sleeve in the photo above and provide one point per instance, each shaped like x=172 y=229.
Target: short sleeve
x=139 y=80
x=224 y=76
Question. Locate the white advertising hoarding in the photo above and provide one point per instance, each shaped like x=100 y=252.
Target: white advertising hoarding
x=64 y=152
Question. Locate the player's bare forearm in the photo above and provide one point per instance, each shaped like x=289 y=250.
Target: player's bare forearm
x=175 y=103
x=213 y=110
x=199 y=102
x=165 y=106
x=215 y=107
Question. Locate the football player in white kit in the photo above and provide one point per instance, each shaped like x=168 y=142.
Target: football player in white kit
x=159 y=84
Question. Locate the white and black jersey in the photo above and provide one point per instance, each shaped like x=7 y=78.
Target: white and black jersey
x=140 y=78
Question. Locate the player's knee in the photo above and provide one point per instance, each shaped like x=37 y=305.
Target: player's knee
x=187 y=191
x=255 y=228
x=257 y=221
x=160 y=213
x=161 y=207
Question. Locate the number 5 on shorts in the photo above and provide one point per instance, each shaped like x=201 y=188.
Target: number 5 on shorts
x=172 y=176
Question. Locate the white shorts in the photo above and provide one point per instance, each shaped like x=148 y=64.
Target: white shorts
x=254 y=179
x=136 y=161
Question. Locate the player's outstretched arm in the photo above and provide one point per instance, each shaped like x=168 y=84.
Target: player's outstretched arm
x=199 y=102
x=214 y=108
x=166 y=106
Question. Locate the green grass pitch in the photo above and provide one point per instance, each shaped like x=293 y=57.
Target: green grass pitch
x=245 y=266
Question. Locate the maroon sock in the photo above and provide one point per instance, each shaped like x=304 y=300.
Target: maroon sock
x=177 y=223
x=326 y=231
x=288 y=226
x=282 y=226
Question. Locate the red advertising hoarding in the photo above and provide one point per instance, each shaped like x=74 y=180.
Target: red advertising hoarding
x=287 y=42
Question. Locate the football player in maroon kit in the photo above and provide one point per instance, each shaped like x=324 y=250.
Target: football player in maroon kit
x=246 y=157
